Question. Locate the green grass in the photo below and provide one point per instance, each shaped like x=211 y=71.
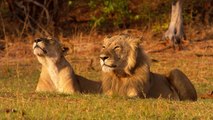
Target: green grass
x=19 y=101
x=52 y=106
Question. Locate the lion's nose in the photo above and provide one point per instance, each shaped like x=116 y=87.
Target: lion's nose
x=103 y=57
x=37 y=40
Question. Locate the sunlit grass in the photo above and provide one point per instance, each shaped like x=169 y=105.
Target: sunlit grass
x=19 y=101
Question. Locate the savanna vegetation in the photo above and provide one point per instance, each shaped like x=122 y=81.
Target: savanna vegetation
x=81 y=25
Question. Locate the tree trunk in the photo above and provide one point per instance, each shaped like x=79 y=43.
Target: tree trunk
x=175 y=32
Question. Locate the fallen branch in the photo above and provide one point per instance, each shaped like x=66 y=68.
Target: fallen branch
x=201 y=40
x=203 y=55
x=154 y=60
x=206 y=47
x=207 y=96
x=160 y=50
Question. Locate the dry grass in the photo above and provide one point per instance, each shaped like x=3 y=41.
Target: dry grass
x=19 y=72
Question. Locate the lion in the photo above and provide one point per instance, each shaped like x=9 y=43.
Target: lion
x=126 y=72
x=57 y=75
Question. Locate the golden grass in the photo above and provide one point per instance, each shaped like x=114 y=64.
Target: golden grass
x=19 y=76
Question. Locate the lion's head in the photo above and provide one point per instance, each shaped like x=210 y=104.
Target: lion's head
x=48 y=47
x=125 y=66
x=120 y=54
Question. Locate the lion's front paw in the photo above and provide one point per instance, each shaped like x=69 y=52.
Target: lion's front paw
x=132 y=93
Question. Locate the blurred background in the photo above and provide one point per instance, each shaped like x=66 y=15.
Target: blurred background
x=23 y=17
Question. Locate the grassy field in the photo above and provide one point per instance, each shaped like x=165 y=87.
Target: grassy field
x=18 y=100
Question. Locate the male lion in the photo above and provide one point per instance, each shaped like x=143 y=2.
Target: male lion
x=57 y=74
x=126 y=72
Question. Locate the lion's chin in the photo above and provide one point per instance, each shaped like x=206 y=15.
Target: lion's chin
x=38 y=52
x=107 y=68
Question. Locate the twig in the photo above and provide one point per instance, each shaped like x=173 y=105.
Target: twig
x=201 y=40
x=42 y=6
x=45 y=4
x=203 y=55
x=3 y=26
x=207 y=96
x=206 y=47
x=154 y=60
x=4 y=32
x=25 y=22
x=30 y=17
x=160 y=50
x=46 y=32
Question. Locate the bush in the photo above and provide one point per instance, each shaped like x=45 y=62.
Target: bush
x=110 y=12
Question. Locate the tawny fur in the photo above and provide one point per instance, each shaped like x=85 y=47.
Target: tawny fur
x=126 y=72
x=57 y=75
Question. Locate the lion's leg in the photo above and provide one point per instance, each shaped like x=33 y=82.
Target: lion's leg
x=45 y=86
x=68 y=85
x=182 y=85
x=108 y=93
x=132 y=92
x=161 y=88
x=45 y=83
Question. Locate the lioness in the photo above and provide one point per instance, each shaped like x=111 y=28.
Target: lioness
x=126 y=72
x=57 y=74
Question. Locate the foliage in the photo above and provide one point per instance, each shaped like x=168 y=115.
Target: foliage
x=158 y=27
x=121 y=13
x=104 y=14
x=113 y=12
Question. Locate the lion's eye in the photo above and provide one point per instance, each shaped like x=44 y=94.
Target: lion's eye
x=116 y=47
x=103 y=46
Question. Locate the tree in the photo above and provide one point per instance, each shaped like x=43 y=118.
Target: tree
x=175 y=32
x=35 y=13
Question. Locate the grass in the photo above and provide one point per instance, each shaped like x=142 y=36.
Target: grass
x=52 y=106
x=18 y=81
x=19 y=101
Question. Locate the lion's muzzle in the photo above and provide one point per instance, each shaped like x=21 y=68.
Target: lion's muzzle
x=37 y=40
x=103 y=57
x=39 y=47
x=106 y=64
